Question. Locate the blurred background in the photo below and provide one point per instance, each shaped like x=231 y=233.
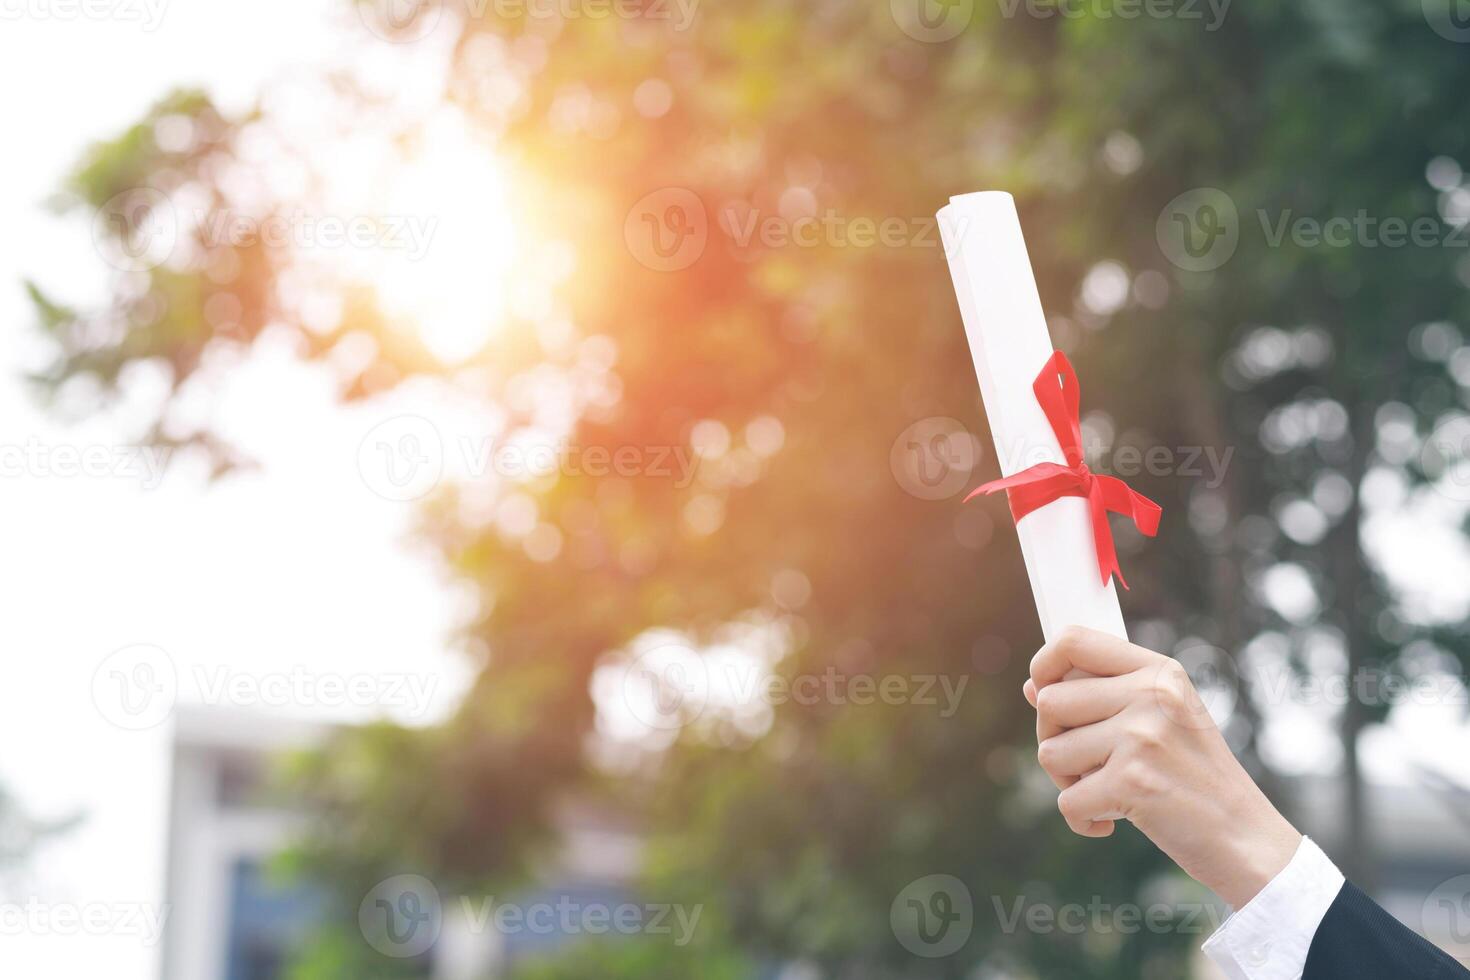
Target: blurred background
x=483 y=478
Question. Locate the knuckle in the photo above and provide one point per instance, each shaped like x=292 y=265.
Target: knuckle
x=1069 y=806
x=1138 y=779
x=1046 y=755
x=1037 y=659
x=1172 y=680
x=1145 y=735
x=1071 y=636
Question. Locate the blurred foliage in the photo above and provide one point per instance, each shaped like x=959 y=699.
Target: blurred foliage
x=22 y=835
x=801 y=835
x=628 y=960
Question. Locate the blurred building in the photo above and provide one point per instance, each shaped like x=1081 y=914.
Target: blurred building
x=227 y=920
x=230 y=919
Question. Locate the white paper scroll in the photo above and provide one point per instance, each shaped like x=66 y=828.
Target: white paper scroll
x=1009 y=343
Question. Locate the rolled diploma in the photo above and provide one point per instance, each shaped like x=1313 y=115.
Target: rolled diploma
x=1006 y=327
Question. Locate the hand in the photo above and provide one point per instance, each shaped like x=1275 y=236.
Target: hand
x=1133 y=741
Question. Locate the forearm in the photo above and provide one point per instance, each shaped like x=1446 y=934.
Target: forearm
x=1133 y=741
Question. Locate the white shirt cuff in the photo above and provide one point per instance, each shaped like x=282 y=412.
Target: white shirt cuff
x=1269 y=939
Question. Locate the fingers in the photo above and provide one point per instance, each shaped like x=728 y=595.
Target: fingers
x=1074 y=703
x=1075 y=739
x=1078 y=648
x=1079 y=751
x=1046 y=728
x=1090 y=805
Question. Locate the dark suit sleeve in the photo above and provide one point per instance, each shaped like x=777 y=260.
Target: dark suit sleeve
x=1358 y=940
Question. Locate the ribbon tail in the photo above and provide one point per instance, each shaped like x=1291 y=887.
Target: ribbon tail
x=1102 y=536
x=1120 y=498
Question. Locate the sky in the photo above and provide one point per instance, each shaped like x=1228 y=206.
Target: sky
x=299 y=572
x=257 y=584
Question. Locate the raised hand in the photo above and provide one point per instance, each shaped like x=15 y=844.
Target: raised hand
x=1124 y=735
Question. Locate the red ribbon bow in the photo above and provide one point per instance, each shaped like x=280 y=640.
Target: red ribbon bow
x=1058 y=395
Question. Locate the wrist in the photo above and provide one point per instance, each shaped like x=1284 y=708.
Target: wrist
x=1258 y=845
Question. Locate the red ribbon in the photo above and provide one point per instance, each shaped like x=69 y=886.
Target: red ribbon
x=1059 y=397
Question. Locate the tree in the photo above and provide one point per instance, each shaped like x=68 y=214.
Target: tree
x=791 y=356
